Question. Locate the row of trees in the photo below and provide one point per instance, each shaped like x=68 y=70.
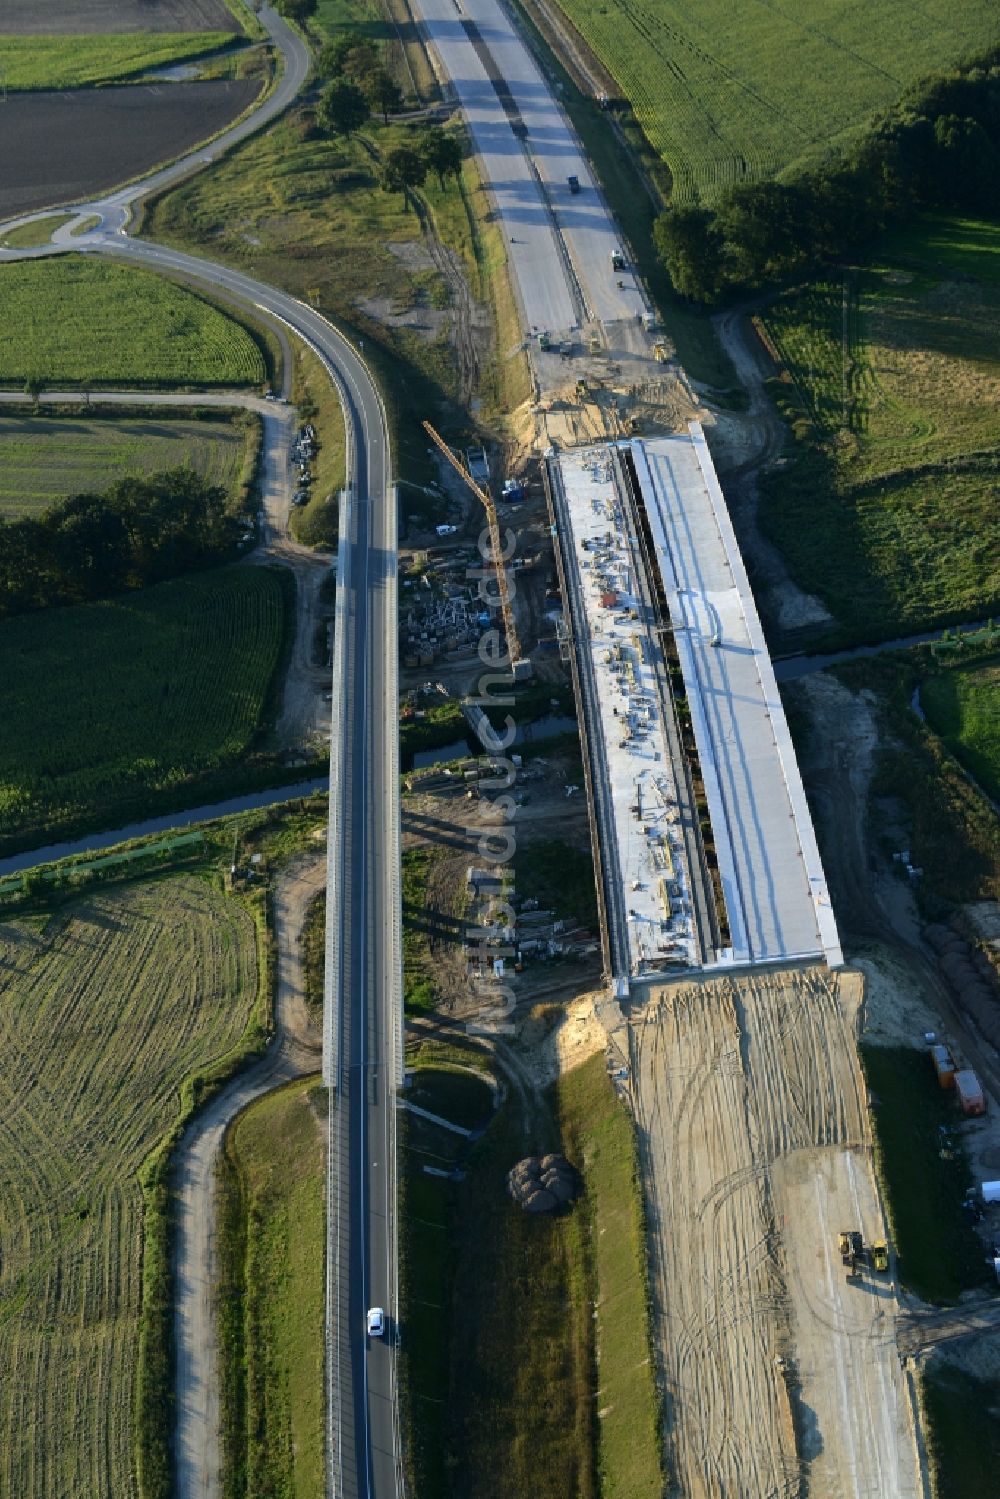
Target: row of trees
x=939 y=147
x=360 y=84
x=92 y=546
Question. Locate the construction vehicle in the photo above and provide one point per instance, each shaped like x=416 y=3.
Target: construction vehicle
x=852 y=1251
x=880 y=1255
x=520 y=668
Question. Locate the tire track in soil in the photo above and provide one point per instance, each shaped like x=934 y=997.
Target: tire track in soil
x=736 y=1083
x=449 y=267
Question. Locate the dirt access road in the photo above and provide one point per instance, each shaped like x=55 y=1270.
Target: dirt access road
x=780 y=1376
x=295 y=1051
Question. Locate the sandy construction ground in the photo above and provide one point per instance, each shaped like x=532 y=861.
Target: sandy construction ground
x=781 y=1377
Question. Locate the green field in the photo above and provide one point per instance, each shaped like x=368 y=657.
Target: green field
x=888 y=510
x=46 y=459
x=108 y=709
x=272 y=1237
x=106 y=1009
x=35 y=62
x=731 y=94
x=89 y=323
x=968 y=247
x=963 y=706
x=939 y=1253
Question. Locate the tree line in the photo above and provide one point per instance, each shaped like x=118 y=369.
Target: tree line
x=92 y=546
x=937 y=148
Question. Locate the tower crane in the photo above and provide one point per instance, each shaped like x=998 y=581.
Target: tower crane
x=520 y=667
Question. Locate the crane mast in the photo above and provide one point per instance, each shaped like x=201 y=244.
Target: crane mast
x=519 y=667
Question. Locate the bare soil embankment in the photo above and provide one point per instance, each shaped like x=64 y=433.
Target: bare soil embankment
x=780 y=1375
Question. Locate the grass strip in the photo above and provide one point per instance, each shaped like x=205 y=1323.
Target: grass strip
x=58 y=62
x=507 y=1370
x=37 y=232
x=271 y=1251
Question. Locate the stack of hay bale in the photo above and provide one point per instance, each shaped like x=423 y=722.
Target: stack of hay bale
x=542 y=1184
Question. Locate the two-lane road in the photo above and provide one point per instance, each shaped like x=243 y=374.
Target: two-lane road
x=363 y=1008
x=363 y=1011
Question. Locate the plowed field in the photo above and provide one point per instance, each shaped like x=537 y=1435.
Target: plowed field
x=102 y=1017
x=63 y=146
x=110 y=17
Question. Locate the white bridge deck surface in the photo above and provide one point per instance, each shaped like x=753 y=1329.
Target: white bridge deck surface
x=773 y=882
x=640 y=776
x=533 y=248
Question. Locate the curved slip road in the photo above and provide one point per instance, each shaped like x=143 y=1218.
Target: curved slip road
x=363 y=1006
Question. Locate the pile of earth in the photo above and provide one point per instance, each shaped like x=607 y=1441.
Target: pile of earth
x=542 y=1184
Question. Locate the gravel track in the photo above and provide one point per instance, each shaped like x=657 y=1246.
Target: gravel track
x=294 y=1052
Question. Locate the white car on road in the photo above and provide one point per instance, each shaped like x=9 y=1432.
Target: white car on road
x=375 y=1322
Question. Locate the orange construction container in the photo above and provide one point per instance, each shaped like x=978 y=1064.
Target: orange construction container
x=943 y=1066
x=970 y=1094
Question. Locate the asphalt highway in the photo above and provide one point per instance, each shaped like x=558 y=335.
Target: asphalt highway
x=558 y=243
x=363 y=1009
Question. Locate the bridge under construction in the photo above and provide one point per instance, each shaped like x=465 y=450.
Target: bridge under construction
x=708 y=857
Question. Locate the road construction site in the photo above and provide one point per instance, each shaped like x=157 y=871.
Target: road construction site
x=779 y=1369
x=652 y=575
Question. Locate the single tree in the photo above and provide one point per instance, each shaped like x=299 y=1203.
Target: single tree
x=382 y=92
x=401 y=169
x=442 y=151
x=343 y=108
x=297 y=10
x=33 y=387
